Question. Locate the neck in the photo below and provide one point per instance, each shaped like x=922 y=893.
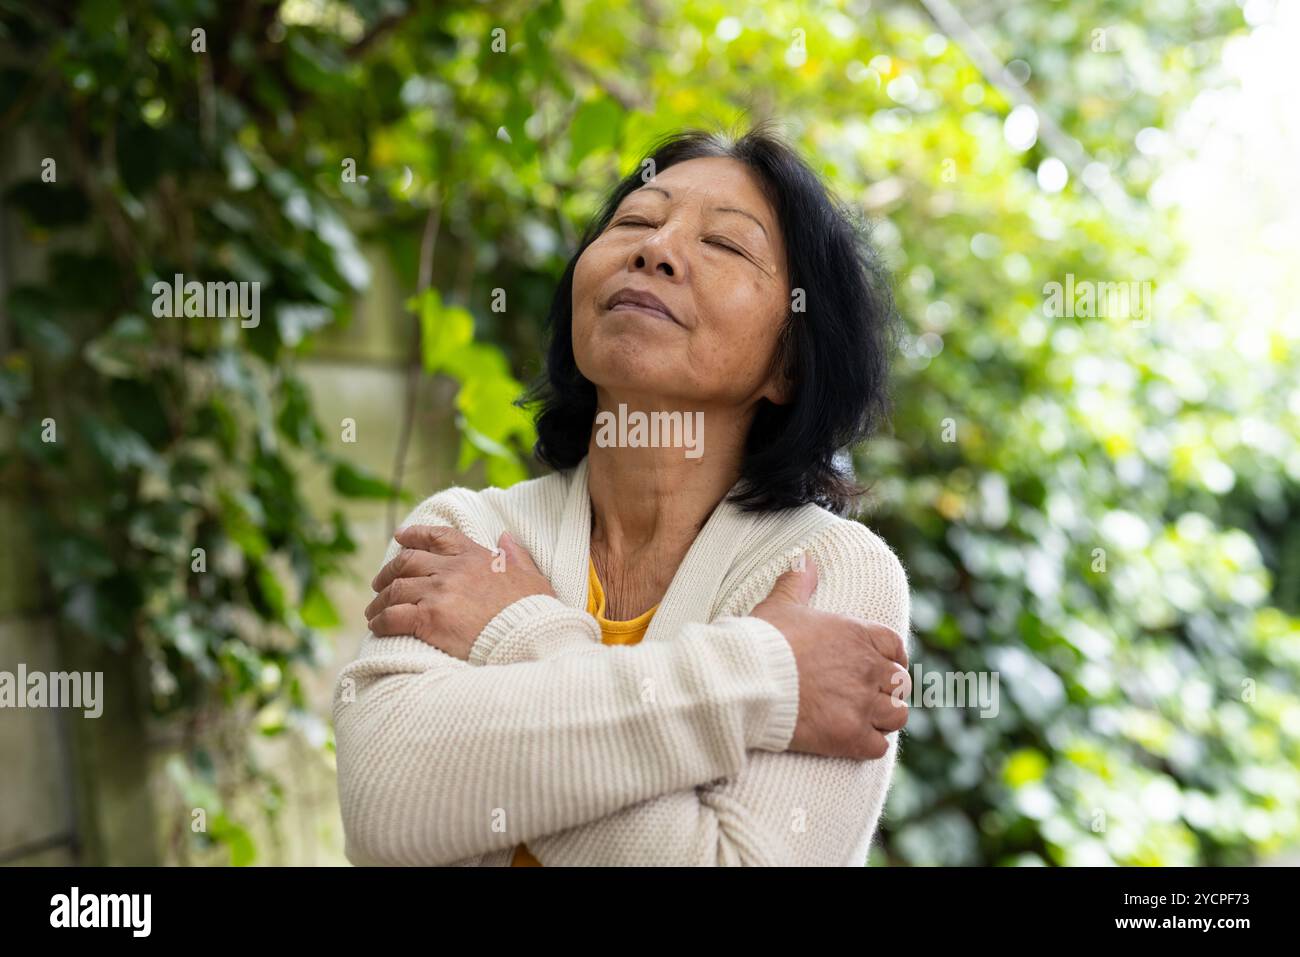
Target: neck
x=647 y=499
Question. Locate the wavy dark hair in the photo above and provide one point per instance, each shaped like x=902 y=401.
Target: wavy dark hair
x=835 y=353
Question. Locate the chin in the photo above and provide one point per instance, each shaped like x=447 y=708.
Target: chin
x=629 y=360
x=627 y=375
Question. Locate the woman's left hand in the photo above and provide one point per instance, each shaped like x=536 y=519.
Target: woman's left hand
x=444 y=588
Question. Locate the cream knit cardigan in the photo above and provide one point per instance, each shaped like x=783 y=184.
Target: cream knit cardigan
x=668 y=752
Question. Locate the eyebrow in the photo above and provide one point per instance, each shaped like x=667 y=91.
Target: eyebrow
x=716 y=209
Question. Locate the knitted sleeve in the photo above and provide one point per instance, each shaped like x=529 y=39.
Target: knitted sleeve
x=440 y=760
x=787 y=809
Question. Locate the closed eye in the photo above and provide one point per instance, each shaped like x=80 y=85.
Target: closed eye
x=712 y=242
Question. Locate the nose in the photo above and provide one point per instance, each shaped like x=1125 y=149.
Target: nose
x=659 y=253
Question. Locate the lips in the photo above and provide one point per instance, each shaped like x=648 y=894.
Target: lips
x=627 y=296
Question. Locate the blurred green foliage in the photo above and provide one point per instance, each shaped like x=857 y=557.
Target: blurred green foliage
x=1079 y=502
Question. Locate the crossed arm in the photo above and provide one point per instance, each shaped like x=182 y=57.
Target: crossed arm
x=442 y=760
x=780 y=808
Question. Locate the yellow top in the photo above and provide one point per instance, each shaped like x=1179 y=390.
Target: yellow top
x=628 y=632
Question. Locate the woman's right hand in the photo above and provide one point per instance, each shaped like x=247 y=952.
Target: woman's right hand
x=853 y=678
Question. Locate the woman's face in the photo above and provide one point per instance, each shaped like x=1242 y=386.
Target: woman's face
x=702 y=238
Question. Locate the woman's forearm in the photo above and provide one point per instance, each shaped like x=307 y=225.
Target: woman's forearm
x=787 y=808
x=783 y=810
x=440 y=760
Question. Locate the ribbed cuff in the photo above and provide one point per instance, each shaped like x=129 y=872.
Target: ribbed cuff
x=781 y=667
x=524 y=611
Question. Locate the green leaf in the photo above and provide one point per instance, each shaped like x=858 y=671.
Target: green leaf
x=236 y=839
x=241 y=526
x=120 y=447
x=272 y=592
x=124 y=350
x=355 y=482
x=444 y=331
x=317 y=610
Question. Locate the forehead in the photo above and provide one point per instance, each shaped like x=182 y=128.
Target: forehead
x=715 y=180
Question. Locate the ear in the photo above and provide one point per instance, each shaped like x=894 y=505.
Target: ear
x=779 y=389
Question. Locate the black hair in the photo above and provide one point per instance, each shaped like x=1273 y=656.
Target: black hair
x=835 y=353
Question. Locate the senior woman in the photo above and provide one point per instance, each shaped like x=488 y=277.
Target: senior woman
x=667 y=651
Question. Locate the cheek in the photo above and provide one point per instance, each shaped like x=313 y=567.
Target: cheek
x=583 y=279
x=586 y=280
x=598 y=262
x=744 y=335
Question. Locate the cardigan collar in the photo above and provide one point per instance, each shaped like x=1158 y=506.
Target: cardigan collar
x=694 y=593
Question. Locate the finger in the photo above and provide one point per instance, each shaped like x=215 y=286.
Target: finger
x=877 y=745
x=516 y=554
x=796 y=585
x=402 y=591
x=888 y=642
x=899 y=684
x=396 y=621
x=888 y=714
x=408 y=563
x=434 y=538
